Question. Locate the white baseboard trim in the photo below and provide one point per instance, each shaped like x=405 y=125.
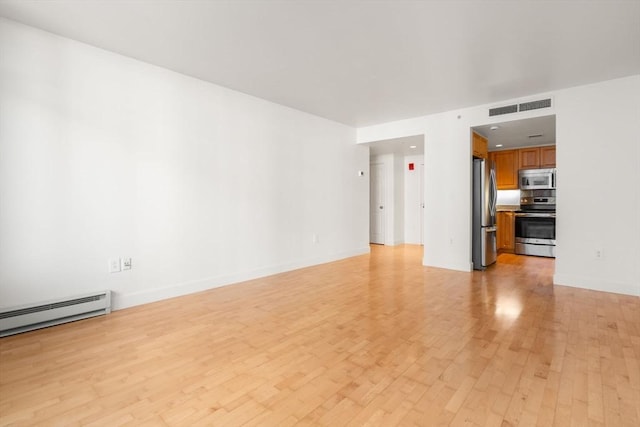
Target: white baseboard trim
x=121 y=301
x=466 y=268
x=400 y=242
x=602 y=285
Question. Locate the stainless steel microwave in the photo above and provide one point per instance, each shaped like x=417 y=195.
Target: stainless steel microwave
x=537 y=179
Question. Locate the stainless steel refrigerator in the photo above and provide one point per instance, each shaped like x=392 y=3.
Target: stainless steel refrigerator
x=485 y=193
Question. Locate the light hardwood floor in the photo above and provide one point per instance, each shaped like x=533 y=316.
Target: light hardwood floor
x=371 y=340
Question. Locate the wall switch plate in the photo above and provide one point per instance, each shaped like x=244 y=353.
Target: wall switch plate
x=114 y=265
x=125 y=263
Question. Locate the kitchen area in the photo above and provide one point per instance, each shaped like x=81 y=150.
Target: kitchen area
x=515 y=204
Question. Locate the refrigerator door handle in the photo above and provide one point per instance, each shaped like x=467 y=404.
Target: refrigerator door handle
x=494 y=192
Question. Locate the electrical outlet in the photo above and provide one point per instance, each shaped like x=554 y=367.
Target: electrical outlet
x=125 y=263
x=114 y=265
x=598 y=253
x=315 y=238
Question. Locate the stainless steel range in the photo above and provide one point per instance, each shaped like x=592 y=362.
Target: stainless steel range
x=536 y=223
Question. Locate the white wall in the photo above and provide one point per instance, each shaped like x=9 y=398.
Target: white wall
x=598 y=134
x=412 y=208
x=598 y=155
x=103 y=156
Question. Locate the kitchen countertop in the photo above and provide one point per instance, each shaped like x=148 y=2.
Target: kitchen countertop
x=507 y=208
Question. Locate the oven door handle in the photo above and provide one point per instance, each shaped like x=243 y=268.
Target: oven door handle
x=536 y=215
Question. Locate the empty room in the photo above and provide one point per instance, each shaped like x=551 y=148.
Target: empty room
x=322 y=213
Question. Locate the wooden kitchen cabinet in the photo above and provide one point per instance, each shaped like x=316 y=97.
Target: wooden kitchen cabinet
x=537 y=157
x=548 y=157
x=506 y=168
x=529 y=158
x=480 y=146
x=505 y=222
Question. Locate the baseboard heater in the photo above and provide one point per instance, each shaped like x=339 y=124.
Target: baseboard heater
x=14 y=320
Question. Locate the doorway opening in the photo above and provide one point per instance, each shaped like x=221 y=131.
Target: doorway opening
x=514 y=147
x=396 y=208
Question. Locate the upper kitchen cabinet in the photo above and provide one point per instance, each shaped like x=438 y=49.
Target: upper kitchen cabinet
x=480 y=146
x=548 y=157
x=537 y=157
x=506 y=168
x=529 y=158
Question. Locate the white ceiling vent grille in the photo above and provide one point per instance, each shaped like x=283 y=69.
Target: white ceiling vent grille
x=524 y=106
x=535 y=105
x=498 y=111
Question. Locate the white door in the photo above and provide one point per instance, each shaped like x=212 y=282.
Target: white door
x=377 y=207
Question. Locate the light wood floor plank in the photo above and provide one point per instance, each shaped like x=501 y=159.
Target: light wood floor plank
x=375 y=340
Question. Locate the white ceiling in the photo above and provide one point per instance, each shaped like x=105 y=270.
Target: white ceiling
x=358 y=62
x=406 y=146
x=520 y=133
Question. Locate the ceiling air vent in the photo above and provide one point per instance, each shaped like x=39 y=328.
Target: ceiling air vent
x=534 y=105
x=503 y=110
